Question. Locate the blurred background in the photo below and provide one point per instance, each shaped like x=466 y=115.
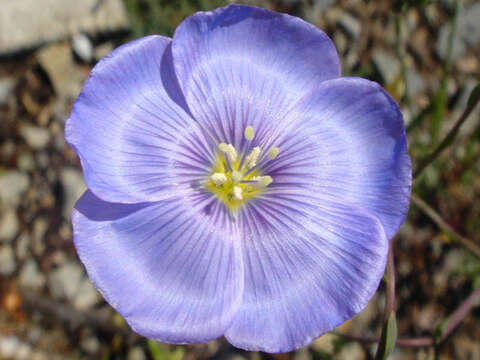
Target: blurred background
x=426 y=54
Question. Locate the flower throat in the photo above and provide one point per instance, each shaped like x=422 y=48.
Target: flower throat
x=236 y=179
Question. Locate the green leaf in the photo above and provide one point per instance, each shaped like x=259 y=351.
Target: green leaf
x=437 y=334
x=156 y=350
x=177 y=354
x=388 y=339
x=161 y=352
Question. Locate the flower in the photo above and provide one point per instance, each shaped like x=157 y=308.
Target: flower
x=238 y=186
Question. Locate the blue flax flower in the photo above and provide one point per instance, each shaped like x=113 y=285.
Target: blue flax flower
x=238 y=186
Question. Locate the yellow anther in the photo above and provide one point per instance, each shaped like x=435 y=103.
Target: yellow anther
x=236 y=176
x=249 y=133
x=272 y=154
x=237 y=193
x=262 y=181
x=252 y=158
x=218 y=179
x=229 y=150
x=223 y=147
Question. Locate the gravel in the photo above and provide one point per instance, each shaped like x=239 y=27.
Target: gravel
x=55 y=20
x=6 y=87
x=40 y=227
x=387 y=65
x=64 y=281
x=12 y=186
x=467 y=33
x=35 y=136
x=30 y=276
x=8 y=224
x=73 y=187
x=86 y=296
x=351 y=25
x=7 y=260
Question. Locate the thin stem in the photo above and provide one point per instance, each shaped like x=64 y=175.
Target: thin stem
x=390 y=302
x=442 y=224
x=455 y=319
x=449 y=138
x=403 y=342
x=459 y=314
x=389 y=305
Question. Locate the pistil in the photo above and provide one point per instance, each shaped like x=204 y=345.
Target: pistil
x=238 y=178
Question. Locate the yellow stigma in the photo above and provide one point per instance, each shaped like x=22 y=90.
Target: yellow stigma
x=236 y=178
x=272 y=154
x=249 y=133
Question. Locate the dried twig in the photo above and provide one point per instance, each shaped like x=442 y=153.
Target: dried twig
x=442 y=224
x=450 y=136
x=454 y=320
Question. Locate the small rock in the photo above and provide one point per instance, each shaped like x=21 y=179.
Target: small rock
x=82 y=47
x=467 y=33
x=341 y=42
x=415 y=83
x=302 y=354
x=136 y=353
x=6 y=87
x=86 y=296
x=7 y=260
x=66 y=77
x=8 y=346
x=324 y=343
x=64 y=281
x=42 y=160
x=25 y=162
x=320 y=6
x=73 y=187
x=23 y=244
x=40 y=227
x=8 y=224
x=387 y=65
x=35 y=136
x=90 y=345
x=428 y=316
x=55 y=20
x=351 y=351
x=30 y=276
x=12 y=185
x=103 y=50
x=351 y=25
x=24 y=352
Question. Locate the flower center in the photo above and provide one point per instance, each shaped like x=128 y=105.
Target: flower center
x=236 y=179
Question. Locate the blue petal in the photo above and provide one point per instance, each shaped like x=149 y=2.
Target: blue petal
x=241 y=65
x=310 y=264
x=131 y=128
x=347 y=140
x=173 y=269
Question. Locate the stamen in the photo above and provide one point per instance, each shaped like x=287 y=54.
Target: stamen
x=237 y=193
x=252 y=158
x=262 y=181
x=272 y=154
x=229 y=150
x=219 y=179
x=236 y=176
x=249 y=133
